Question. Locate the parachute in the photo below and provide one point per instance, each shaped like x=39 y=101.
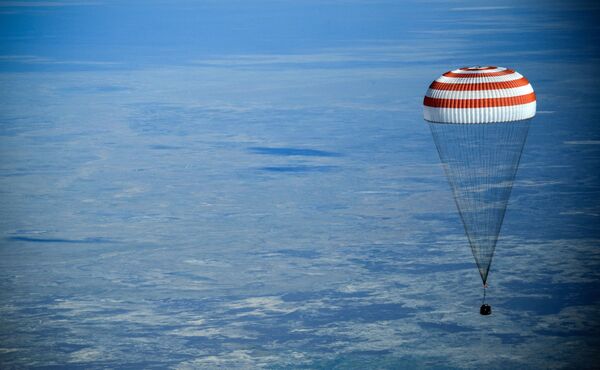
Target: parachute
x=479 y=119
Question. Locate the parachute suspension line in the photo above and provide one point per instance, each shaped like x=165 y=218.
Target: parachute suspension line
x=480 y=161
x=484 y=291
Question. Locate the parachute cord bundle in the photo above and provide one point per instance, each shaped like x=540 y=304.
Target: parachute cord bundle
x=480 y=162
x=484 y=292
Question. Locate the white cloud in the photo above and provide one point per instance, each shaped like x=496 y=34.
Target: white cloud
x=85 y=355
x=262 y=306
x=583 y=142
x=372 y=52
x=236 y=359
x=579 y=212
x=42 y=4
x=480 y=8
x=34 y=59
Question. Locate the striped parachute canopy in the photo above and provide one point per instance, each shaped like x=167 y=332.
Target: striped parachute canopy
x=479 y=95
x=479 y=118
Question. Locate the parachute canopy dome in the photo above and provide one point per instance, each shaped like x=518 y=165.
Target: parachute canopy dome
x=479 y=95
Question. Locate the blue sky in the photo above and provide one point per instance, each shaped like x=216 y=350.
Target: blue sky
x=204 y=184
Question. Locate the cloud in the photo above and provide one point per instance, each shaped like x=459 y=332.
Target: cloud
x=367 y=52
x=583 y=142
x=282 y=151
x=34 y=59
x=85 y=355
x=480 y=8
x=238 y=358
x=42 y=4
x=297 y=168
x=262 y=306
x=60 y=240
x=532 y=183
x=579 y=212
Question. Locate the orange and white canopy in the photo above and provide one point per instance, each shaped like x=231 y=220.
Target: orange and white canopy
x=479 y=95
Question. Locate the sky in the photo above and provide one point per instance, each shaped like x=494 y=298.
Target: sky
x=221 y=184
